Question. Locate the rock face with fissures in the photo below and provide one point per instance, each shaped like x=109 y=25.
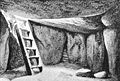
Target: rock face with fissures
x=76 y=48
x=4 y=43
x=112 y=43
x=50 y=43
x=112 y=39
x=95 y=51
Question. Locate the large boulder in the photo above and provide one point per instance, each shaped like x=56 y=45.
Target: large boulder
x=96 y=52
x=76 y=49
x=4 y=43
x=50 y=43
x=112 y=43
x=112 y=16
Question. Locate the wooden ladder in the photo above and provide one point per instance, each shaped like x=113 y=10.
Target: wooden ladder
x=29 y=48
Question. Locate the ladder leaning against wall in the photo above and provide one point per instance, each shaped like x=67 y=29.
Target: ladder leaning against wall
x=29 y=48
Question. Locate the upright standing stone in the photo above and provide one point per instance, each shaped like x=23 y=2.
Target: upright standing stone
x=95 y=51
x=4 y=41
x=112 y=43
x=50 y=43
x=15 y=56
x=111 y=20
x=76 y=49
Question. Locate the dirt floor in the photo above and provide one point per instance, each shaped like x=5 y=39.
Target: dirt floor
x=50 y=73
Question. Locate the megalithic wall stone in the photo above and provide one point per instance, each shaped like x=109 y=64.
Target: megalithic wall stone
x=112 y=43
x=95 y=51
x=76 y=49
x=50 y=44
x=4 y=41
x=15 y=54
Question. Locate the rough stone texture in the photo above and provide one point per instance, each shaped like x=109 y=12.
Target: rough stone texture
x=50 y=43
x=112 y=43
x=95 y=51
x=15 y=55
x=85 y=25
x=112 y=17
x=76 y=49
x=4 y=41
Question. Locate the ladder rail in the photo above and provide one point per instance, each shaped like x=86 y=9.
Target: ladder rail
x=38 y=53
x=24 y=46
x=27 y=62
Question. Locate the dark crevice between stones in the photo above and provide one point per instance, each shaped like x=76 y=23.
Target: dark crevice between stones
x=85 y=37
x=65 y=49
x=117 y=68
x=105 y=66
x=106 y=63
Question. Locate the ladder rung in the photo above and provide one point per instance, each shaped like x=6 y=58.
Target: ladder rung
x=65 y=55
x=28 y=38
x=25 y=33
x=33 y=56
x=28 y=42
x=37 y=66
x=24 y=29
x=37 y=69
x=30 y=48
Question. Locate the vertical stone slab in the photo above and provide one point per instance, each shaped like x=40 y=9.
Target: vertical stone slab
x=76 y=49
x=50 y=43
x=4 y=41
x=15 y=56
x=95 y=51
x=112 y=43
